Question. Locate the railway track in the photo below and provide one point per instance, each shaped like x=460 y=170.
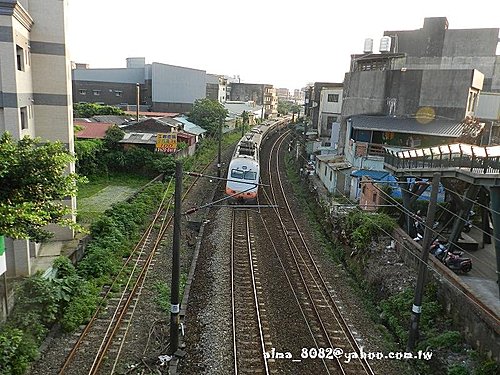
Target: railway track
x=98 y=347
x=247 y=322
x=104 y=336
x=317 y=300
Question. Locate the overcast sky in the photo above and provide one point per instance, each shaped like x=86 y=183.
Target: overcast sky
x=281 y=42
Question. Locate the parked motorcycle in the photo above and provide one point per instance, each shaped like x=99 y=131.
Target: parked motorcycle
x=454 y=261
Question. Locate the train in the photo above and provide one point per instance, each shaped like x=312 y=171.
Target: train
x=244 y=170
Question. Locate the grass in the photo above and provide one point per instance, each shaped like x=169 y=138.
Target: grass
x=101 y=192
x=97 y=183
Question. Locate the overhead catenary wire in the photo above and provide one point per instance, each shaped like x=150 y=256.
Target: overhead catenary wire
x=451 y=212
x=406 y=248
x=440 y=276
x=479 y=260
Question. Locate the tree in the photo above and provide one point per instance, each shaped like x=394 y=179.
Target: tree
x=113 y=135
x=32 y=184
x=85 y=110
x=245 y=117
x=208 y=113
x=284 y=107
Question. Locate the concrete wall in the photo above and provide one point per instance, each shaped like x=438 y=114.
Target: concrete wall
x=175 y=84
x=481 y=331
x=118 y=75
x=109 y=93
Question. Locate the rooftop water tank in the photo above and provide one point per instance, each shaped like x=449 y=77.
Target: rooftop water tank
x=368 y=45
x=385 y=44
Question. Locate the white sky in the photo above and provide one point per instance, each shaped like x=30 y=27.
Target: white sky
x=280 y=42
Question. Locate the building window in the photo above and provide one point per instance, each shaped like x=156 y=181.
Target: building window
x=20 y=58
x=118 y=93
x=82 y=92
x=325 y=169
x=331 y=175
x=333 y=98
x=24 y=117
x=96 y=92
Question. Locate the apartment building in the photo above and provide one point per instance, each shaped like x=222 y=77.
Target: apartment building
x=35 y=93
x=260 y=94
x=416 y=91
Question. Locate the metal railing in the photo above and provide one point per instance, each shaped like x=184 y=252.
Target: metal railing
x=476 y=159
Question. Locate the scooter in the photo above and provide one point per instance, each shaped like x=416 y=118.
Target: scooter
x=454 y=261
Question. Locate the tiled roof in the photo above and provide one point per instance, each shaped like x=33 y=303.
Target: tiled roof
x=436 y=127
x=92 y=130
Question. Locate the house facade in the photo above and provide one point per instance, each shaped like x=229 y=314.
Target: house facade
x=35 y=93
x=418 y=90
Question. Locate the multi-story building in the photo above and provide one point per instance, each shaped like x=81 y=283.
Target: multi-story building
x=283 y=93
x=417 y=90
x=35 y=93
x=162 y=87
x=217 y=87
x=323 y=107
x=261 y=94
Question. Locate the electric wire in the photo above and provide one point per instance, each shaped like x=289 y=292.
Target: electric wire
x=407 y=211
x=438 y=233
x=491 y=210
x=406 y=248
x=440 y=276
x=457 y=215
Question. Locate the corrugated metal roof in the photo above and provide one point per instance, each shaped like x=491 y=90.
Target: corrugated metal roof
x=437 y=127
x=92 y=130
x=139 y=138
x=190 y=127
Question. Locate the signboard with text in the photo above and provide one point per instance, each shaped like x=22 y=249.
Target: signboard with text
x=166 y=142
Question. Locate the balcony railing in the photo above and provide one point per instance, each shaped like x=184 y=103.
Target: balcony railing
x=476 y=159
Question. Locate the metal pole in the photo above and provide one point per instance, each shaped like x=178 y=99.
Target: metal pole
x=220 y=147
x=417 y=303
x=495 y=216
x=137 y=91
x=174 y=291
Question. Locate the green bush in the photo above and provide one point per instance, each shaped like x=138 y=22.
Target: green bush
x=17 y=350
x=457 y=370
x=362 y=227
x=82 y=306
x=445 y=340
x=38 y=296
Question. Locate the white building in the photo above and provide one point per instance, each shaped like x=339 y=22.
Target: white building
x=35 y=98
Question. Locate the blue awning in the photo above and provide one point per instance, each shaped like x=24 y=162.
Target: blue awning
x=374 y=175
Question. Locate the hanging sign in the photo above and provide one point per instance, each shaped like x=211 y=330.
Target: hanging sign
x=166 y=142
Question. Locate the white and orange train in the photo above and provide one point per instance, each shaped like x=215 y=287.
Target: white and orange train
x=244 y=170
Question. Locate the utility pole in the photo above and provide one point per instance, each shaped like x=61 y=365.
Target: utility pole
x=176 y=247
x=495 y=216
x=220 y=147
x=417 y=303
x=137 y=92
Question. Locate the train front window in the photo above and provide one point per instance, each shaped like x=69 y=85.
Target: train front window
x=236 y=173
x=249 y=175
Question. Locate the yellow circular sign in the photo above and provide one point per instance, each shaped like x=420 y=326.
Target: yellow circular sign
x=425 y=115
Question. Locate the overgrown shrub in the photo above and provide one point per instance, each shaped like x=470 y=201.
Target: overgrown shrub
x=82 y=306
x=17 y=350
x=362 y=227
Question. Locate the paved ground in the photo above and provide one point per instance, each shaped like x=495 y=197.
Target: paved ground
x=482 y=279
